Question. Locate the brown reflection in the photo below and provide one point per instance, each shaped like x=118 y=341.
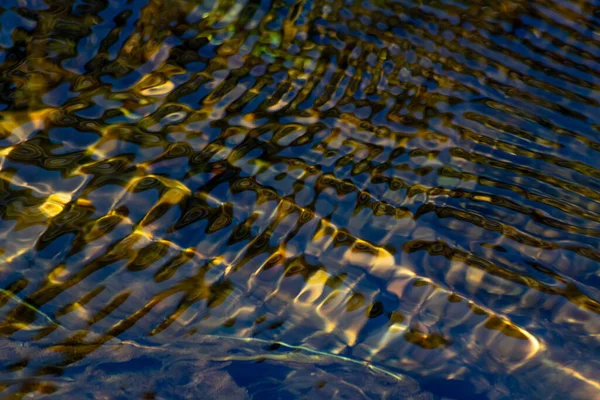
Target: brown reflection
x=411 y=187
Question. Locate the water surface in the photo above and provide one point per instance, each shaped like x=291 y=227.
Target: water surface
x=316 y=199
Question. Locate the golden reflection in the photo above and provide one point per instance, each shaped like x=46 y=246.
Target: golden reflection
x=405 y=188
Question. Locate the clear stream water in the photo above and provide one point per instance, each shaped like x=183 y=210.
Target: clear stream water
x=266 y=199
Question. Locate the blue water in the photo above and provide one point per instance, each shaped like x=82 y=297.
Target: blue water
x=299 y=199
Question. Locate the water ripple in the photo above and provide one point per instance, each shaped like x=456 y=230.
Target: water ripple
x=370 y=199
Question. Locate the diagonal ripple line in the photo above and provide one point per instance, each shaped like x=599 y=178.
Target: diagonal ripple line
x=24 y=303
x=363 y=363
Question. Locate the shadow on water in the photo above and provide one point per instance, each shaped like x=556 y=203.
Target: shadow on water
x=299 y=199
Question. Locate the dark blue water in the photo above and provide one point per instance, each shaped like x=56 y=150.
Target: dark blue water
x=299 y=200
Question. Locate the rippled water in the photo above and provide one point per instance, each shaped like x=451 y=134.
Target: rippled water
x=277 y=199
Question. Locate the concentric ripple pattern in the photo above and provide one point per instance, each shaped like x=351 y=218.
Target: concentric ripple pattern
x=276 y=199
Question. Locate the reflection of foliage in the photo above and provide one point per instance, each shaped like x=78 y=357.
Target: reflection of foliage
x=381 y=184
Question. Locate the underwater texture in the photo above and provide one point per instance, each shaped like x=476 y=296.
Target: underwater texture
x=268 y=199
